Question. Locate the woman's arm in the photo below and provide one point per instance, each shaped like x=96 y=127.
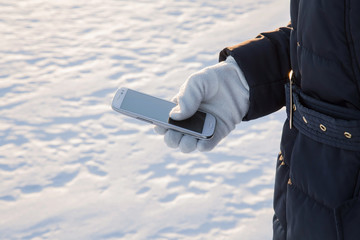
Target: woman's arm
x=265 y=62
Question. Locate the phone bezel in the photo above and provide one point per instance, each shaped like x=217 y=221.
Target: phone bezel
x=207 y=131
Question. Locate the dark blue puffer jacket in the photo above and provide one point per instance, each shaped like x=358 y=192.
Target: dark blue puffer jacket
x=317 y=185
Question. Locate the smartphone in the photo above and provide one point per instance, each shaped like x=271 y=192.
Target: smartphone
x=156 y=111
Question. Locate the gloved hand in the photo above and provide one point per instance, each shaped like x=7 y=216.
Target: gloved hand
x=221 y=90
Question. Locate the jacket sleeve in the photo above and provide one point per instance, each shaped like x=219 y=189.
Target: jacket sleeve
x=265 y=62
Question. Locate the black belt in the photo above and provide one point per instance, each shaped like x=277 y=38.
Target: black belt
x=323 y=122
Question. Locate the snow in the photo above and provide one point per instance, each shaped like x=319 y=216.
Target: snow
x=71 y=168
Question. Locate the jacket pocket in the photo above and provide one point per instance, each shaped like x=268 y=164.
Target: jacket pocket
x=347 y=218
x=357 y=187
x=308 y=218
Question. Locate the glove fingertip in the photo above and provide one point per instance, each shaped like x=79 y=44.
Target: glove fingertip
x=206 y=145
x=188 y=144
x=177 y=114
x=159 y=130
x=172 y=138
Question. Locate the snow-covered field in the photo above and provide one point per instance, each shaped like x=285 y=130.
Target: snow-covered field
x=71 y=168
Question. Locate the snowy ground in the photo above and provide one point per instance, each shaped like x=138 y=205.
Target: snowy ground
x=71 y=168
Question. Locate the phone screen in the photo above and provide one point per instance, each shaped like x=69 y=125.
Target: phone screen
x=158 y=109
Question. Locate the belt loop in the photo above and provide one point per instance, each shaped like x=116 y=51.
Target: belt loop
x=291 y=100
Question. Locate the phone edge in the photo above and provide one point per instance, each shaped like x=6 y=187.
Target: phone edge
x=116 y=105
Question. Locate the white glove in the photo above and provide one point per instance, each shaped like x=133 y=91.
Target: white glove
x=221 y=90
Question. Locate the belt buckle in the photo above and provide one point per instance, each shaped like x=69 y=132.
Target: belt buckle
x=291 y=100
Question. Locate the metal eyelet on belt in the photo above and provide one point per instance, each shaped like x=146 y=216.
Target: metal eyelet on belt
x=304 y=119
x=322 y=127
x=347 y=135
